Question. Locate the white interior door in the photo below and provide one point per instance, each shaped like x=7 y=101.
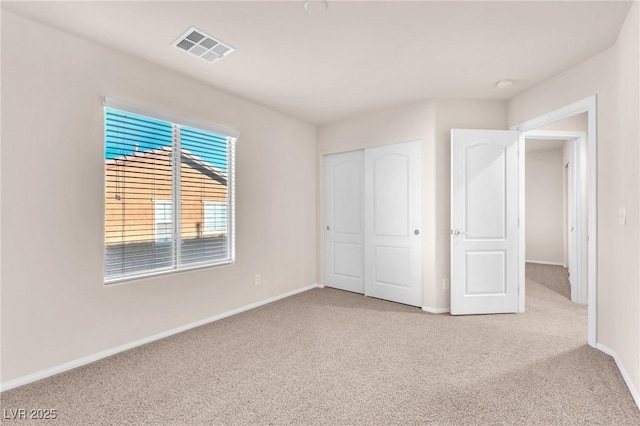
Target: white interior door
x=484 y=221
x=344 y=210
x=393 y=219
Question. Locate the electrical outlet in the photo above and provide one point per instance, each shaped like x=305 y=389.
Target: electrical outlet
x=256 y=279
x=445 y=283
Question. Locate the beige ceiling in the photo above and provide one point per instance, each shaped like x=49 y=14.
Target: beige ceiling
x=357 y=56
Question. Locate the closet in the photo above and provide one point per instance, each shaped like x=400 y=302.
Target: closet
x=373 y=222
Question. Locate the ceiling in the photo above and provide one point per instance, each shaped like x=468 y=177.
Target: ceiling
x=356 y=57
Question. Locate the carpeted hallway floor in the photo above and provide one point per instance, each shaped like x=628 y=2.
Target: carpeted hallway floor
x=332 y=357
x=555 y=278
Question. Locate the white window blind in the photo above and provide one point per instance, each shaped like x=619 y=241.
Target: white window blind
x=157 y=171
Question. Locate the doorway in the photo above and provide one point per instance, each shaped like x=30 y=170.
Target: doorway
x=555 y=207
x=585 y=202
x=482 y=165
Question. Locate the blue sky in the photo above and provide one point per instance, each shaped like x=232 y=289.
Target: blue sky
x=126 y=133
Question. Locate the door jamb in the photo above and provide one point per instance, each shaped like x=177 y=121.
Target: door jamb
x=588 y=105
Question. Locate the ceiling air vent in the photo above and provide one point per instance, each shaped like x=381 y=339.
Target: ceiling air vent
x=202 y=45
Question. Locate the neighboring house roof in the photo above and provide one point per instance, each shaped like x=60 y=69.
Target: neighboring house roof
x=186 y=157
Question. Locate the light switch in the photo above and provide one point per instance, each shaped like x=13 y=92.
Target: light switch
x=622 y=216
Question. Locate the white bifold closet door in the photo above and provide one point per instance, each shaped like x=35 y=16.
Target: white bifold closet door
x=384 y=259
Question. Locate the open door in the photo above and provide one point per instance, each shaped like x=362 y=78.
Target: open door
x=484 y=221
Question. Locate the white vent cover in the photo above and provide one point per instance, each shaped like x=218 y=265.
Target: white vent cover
x=202 y=45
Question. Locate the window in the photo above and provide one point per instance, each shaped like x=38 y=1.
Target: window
x=158 y=168
x=164 y=226
x=215 y=217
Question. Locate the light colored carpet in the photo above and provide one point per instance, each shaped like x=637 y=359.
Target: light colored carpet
x=332 y=357
x=555 y=278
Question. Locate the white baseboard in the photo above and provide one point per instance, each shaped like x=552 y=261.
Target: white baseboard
x=435 y=310
x=623 y=371
x=544 y=262
x=39 y=375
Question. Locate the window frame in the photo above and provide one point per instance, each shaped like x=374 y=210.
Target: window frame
x=177 y=123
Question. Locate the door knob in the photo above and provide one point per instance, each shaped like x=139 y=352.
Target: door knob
x=417 y=232
x=328 y=228
x=457 y=232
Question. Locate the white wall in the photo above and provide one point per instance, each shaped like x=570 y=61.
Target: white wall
x=431 y=122
x=55 y=307
x=544 y=200
x=621 y=178
x=614 y=77
x=575 y=123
